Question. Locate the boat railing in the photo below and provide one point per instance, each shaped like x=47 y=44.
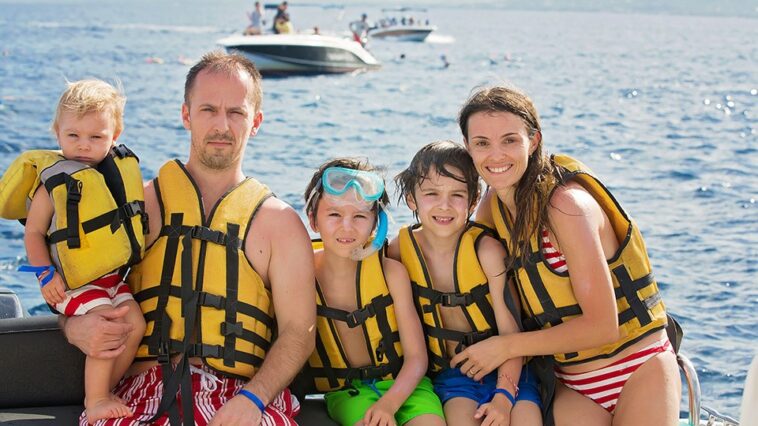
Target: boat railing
x=693 y=391
x=693 y=388
x=717 y=419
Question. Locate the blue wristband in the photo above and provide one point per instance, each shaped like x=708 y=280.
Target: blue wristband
x=253 y=397
x=506 y=393
x=38 y=271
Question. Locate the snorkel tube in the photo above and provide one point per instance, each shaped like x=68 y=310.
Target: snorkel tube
x=379 y=238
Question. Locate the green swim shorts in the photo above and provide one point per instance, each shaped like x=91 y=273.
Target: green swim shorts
x=348 y=410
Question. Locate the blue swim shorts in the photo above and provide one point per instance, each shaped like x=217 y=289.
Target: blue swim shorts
x=451 y=383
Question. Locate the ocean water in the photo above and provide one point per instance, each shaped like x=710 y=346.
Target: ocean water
x=663 y=108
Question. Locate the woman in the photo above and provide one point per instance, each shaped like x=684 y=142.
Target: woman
x=583 y=274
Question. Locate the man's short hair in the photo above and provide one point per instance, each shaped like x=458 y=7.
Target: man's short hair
x=227 y=63
x=92 y=95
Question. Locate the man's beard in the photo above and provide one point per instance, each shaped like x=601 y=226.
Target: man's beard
x=212 y=160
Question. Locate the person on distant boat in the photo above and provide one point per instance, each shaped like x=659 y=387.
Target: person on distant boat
x=257 y=20
x=283 y=24
x=592 y=304
x=84 y=224
x=217 y=281
x=360 y=29
x=280 y=10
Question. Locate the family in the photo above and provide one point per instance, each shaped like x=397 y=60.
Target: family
x=531 y=302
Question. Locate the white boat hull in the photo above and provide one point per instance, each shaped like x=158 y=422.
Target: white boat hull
x=403 y=32
x=302 y=54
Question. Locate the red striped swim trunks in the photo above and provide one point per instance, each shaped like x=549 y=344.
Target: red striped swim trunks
x=210 y=390
x=604 y=385
x=107 y=290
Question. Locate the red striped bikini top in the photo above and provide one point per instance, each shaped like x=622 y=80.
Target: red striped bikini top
x=554 y=258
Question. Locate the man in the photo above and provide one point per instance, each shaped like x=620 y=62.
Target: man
x=224 y=258
x=360 y=29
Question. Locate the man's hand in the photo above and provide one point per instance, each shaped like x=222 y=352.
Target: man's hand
x=238 y=411
x=54 y=291
x=97 y=334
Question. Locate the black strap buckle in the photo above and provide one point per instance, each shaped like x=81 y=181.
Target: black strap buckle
x=145 y=223
x=132 y=209
x=229 y=328
x=164 y=354
x=211 y=300
x=457 y=299
x=475 y=337
x=122 y=151
x=74 y=191
x=205 y=351
x=207 y=234
x=370 y=372
x=360 y=316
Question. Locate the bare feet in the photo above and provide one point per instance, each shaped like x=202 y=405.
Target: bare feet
x=110 y=407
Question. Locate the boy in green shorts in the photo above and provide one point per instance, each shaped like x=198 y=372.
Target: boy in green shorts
x=370 y=356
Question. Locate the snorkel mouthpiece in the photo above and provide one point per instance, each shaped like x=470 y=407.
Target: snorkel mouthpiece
x=379 y=239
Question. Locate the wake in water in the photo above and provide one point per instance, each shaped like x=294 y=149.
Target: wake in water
x=151 y=28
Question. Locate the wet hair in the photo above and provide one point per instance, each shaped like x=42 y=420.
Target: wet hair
x=85 y=96
x=541 y=175
x=228 y=64
x=348 y=163
x=439 y=157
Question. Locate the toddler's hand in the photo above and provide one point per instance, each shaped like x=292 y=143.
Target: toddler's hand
x=54 y=291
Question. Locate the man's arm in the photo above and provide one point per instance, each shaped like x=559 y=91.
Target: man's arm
x=280 y=251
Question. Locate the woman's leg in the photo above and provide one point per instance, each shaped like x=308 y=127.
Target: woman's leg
x=572 y=408
x=651 y=395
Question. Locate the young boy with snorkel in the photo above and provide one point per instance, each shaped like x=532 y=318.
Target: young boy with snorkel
x=83 y=209
x=459 y=282
x=370 y=357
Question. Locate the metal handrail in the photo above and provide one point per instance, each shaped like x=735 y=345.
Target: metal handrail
x=714 y=415
x=693 y=388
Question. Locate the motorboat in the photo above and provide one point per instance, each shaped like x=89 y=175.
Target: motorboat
x=287 y=54
x=401 y=32
x=400 y=24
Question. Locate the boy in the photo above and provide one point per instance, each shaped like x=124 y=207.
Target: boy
x=84 y=223
x=369 y=356
x=458 y=276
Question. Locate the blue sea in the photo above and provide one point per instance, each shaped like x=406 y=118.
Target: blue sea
x=662 y=107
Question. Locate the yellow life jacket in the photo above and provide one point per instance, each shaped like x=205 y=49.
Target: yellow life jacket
x=199 y=293
x=99 y=218
x=472 y=293
x=328 y=365
x=547 y=295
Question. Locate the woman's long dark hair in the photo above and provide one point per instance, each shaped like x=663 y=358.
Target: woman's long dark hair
x=534 y=189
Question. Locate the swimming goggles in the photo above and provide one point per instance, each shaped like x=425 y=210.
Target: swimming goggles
x=338 y=180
